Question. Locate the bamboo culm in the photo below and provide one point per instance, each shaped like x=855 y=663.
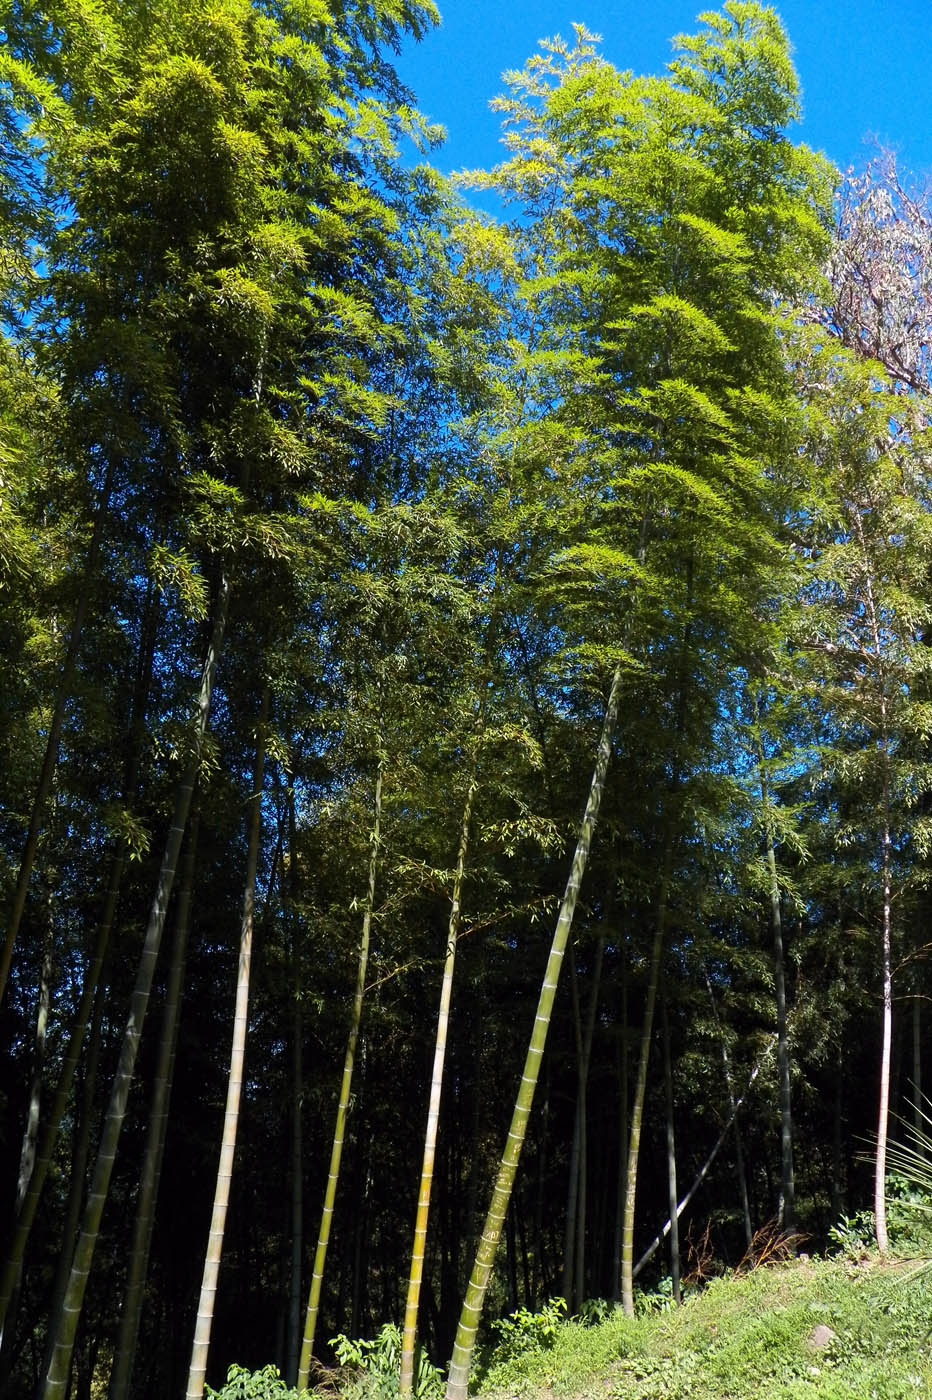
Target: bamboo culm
x=197 y=1372
x=323 y=1238
x=457 y=1383
x=131 y=1314
x=65 y=1326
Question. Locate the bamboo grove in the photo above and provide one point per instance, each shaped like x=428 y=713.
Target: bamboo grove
x=466 y=699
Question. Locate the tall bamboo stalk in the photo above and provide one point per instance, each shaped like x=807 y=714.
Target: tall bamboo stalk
x=293 y=1341
x=197 y=1372
x=787 y=1213
x=416 y=1273
x=131 y=1314
x=886 y=1052
x=622 y=1133
x=671 y=1152
x=64 y=1327
x=323 y=1238
x=640 y=1083
x=883 y=1108
x=85 y=1122
x=576 y=1203
x=457 y=1383
x=27 y=1156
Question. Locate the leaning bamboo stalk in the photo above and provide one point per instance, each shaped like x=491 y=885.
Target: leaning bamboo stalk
x=457 y=1383
x=197 y=1372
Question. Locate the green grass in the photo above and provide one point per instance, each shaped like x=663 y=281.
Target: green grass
x=748 y=1338
x=744 y=1338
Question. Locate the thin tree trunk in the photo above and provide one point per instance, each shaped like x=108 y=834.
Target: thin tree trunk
x=27 y=1156
x=574 y=1255
x=297 y=1093
x=131 y=1315
x=703 y=1170
x=622 y=1132
x=488 y=1244
x=640 y=1084
x=739 y=1151
x=64 y=1327
x=880 y=1161
x=80 y=1155
x=583 y=1101
x=568 y=1285
x=26 y=1212
x=883 y=1113
x=205 y=1307
x=416 y=1273
x=671 y=1153
x=837 y=1192
x=50 y=757
x=787 y=1213
x=918 y=1121
x=323 y=1238
x=540 y=1259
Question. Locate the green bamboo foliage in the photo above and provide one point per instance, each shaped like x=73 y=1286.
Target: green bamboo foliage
x=346 y=1082
x=197 y=1371
x=458 y=1379
x=50 y=757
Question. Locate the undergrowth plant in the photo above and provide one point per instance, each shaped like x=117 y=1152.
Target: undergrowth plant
x=266 y=1384
x=376 y=1367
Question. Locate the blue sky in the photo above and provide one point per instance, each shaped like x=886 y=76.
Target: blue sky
x=865 y=66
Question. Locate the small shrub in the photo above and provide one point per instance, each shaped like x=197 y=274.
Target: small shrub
x=854 y=1234
x=909 y=1214
x=524 y=1331
x=594 y=1311
x=660 y=1300
x=266 y=1384
x=378 y=1367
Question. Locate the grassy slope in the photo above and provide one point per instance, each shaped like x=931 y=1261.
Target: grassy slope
x=748 y=1337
